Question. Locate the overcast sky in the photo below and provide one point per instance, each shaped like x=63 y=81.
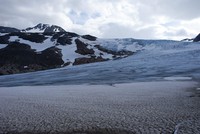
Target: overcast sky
x=156 y=19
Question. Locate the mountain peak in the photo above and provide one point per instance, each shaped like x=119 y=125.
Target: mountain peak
x=44 y=28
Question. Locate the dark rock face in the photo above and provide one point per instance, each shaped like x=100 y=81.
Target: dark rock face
x=187 y=39
x=8 y=29
x=54 y=28
x=17 y=53
x=84 y=60
x=33 y=37
x=82 y=48
x=63 y=38
x=50 y=57
x=4 y=39
x=18 y=57
x=16 y=68
x=89 y=37
x=70 y=34
x=39 y=26
x=197 y=39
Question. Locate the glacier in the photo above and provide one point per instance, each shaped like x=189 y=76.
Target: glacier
x=152 y=60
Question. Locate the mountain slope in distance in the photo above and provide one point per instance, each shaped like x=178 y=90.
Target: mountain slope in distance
x=8 y=29
x=45 y=47
x=43 y=28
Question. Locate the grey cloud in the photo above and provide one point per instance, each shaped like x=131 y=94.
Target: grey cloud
x=113 y=30
x=177 y=9
x=178 y=32
x=24 y=13
x=146 y=33
x=180 y=9
x=81 y=17
x=74 y=15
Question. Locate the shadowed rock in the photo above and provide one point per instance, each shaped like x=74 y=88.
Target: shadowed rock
x=33 y=37
x=82 y=48
x=197 y=38
x=85 y=60
x=50 y=57
x=4 y=39
x=89 y=37
x=18 y=57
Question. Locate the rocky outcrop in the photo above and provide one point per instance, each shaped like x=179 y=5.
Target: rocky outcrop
x=16 y=68
x=82 y=48
x=89 y=37
x=33 y=37
x=50 y=57
x=54 y=28
x=4 y=39
x=85 y=60
x=18 y=57
x=64 y=40
x=197 y=38
x=187 y=40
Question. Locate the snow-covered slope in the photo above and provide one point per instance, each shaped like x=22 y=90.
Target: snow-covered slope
x=78 y=47
x=41 y=28
x=153 y=60
x=47 y=50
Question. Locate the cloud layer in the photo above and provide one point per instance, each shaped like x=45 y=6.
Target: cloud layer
x=158 y=19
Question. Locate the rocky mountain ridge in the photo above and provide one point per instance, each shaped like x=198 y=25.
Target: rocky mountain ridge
x=43 y=28
x=45 y=47
x=8 y=29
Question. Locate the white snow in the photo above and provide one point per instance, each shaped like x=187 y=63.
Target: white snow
x=68 y=52
x=35 y=30
x=119 y=45
x=3 y=46
x=2 y=34
x=174 y=78
x=25 y=66
x=37 y=46
x=112 y=44
x=102 y=54
x=115 y=44
x=56 y=30
x=14 y=38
